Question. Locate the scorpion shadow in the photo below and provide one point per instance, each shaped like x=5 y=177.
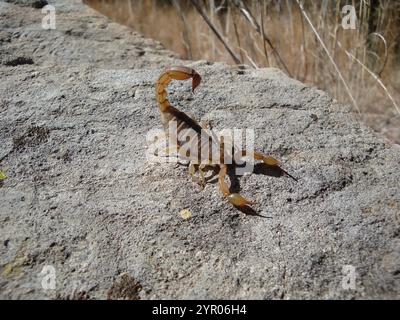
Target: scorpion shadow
x=259 y=168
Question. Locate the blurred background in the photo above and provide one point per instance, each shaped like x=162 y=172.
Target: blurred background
x=305 y=39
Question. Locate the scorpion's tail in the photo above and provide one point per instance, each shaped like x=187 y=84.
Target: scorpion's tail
x=173 y=73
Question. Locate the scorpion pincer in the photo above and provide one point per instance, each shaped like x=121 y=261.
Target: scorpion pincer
x=183 y=121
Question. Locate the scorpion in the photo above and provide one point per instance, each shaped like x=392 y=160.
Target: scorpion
x=183 y=121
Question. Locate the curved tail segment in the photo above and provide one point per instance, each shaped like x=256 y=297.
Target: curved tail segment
x=179 y=121
x=174 y=73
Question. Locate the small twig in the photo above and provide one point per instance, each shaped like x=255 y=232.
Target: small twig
x=386 y=51
x=376 y=77
x=237 y=38
x=303 y=47
x=248 y=58
x=216 y=32
x=328 y=54
x=262 y=31
x=250 y=18
x=185 y=32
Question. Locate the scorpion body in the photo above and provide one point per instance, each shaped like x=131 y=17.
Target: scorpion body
x=183 y=121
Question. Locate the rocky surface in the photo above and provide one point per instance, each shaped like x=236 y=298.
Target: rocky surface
x=76 y=104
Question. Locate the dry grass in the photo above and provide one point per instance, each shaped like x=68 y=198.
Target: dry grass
x=360 y=66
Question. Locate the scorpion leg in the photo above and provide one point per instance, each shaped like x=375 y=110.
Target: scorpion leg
x=206 y=124
x=235 y=198
x=192 y=172
x=174 y=151
x=201 y=180
x=202 y=168
x=268 y=160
